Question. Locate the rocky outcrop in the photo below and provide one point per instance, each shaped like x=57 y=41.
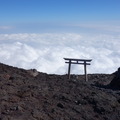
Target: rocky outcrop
x=115 y=83
x=33 y=72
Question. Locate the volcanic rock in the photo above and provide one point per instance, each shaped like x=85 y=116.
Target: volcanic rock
x=115 y=83
x=54 y=97
x=33 y=72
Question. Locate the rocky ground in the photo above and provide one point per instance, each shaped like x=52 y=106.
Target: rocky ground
x=32 y=95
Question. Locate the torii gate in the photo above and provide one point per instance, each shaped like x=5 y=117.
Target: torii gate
x=84 y=62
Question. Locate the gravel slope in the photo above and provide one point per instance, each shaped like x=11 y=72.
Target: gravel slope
x=24 y=96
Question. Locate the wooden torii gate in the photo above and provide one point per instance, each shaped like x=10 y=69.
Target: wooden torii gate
x=84 y=62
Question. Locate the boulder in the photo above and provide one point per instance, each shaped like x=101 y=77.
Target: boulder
x=33 y=72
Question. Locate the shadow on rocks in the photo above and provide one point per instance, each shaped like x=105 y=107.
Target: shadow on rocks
x=114 y=84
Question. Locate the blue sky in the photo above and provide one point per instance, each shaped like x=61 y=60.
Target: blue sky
x=51 y=15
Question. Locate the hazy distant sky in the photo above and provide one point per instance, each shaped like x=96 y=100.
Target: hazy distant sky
x=51 y=15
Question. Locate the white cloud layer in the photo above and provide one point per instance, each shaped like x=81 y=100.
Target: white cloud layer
x=45 y=52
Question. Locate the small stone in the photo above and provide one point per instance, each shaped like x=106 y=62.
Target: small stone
x=60 y=105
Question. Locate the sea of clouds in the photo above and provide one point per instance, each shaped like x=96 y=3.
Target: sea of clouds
x=45 y=51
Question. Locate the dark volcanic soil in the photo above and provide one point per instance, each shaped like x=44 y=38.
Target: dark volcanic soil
x=24 y=96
